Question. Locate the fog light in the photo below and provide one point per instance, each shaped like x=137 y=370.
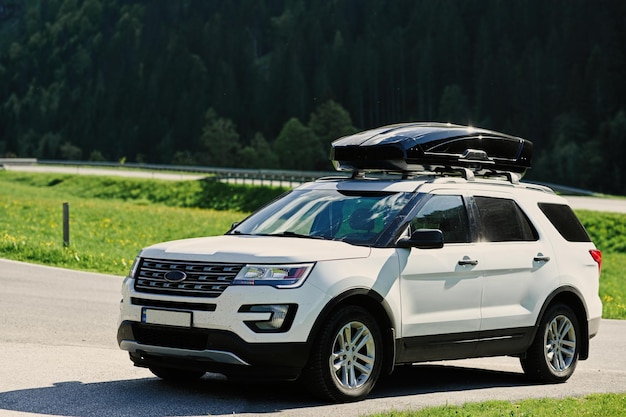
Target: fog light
x=280 y=319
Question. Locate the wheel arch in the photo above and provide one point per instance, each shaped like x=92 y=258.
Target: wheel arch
x=376 y=305
x=572 y=298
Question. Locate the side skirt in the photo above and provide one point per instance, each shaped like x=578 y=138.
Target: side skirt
x=464 y=345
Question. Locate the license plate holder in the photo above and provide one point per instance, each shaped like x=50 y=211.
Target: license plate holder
x=166 y=317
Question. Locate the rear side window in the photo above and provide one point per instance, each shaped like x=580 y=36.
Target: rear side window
x=565 y=221
x=501 y=220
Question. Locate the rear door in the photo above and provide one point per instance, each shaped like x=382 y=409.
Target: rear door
x=520 y=269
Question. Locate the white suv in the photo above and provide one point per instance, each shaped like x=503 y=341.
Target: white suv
x=340 y=280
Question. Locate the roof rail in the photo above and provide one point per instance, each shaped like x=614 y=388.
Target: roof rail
x=467 y=174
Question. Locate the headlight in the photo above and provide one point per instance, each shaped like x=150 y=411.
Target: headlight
x=278 y=276
x=133 y=268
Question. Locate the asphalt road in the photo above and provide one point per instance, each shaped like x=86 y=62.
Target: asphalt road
x=58 y=356
x=614 y=205
x=87 y=170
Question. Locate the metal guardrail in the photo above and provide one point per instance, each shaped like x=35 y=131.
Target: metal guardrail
x=245 y=176
x=17 y=161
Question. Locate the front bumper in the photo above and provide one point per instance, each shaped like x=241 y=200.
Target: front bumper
x=210 y=350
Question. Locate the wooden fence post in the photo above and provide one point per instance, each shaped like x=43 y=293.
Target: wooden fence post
x=66 y=225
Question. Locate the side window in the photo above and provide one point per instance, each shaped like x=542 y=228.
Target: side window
x=501 y=220
x=565 y=221
x=446 y=213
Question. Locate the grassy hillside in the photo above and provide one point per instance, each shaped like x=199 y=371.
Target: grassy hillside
x=113 y=218
x=207 y=193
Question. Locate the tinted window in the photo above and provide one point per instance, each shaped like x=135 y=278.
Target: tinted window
x=565 y=221
x=501 y=220
x=446 y=213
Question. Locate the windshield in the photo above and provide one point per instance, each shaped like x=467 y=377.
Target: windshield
x=355 y=217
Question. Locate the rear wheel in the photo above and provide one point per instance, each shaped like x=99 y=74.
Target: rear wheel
x=173 y=374
x=346 y=360
x=553 y=355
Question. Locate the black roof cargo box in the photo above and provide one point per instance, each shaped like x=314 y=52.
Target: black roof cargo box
x=411 y=147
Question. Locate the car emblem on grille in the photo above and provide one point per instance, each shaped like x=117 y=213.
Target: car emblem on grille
x=175 y=276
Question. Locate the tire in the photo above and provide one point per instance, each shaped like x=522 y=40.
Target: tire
x=553 y=355
x=173 y=374
x=346 y=359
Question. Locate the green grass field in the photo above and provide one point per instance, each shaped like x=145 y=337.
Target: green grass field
x=113 y=218
x=106 y=233
x=601 y=405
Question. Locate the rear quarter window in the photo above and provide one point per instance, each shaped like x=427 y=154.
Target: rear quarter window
x=565 y=221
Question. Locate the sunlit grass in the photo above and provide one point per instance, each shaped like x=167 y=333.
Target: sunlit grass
x=105 y=235
x=597 y=405
x=613 y=286
x=608 y=231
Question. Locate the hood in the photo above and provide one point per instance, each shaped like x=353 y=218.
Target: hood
x=255 y=249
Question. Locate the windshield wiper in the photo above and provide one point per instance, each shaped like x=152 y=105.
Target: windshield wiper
x=288 y=233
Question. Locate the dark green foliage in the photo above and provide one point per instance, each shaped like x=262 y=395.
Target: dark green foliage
x=297 y=147
x=221 y=196
x=195 y=82
x=330 y=121
x=607 y=230
x=258 y=154
x=220 y=141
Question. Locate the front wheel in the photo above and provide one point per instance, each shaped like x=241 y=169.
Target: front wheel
x=553 y=355
x=346 y=360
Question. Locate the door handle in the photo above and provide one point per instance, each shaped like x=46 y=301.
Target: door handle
x=541 y=258
x=467 y=261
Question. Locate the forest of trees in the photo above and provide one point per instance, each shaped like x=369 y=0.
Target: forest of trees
x=270 y=83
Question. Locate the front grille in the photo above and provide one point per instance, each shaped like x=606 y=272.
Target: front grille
x=203 y=279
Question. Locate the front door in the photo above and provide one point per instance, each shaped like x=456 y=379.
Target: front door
x=441 y=289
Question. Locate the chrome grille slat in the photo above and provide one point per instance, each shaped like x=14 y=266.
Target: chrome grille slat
x=203 y=279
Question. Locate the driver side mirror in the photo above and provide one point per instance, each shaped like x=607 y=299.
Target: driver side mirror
x=423 y=239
